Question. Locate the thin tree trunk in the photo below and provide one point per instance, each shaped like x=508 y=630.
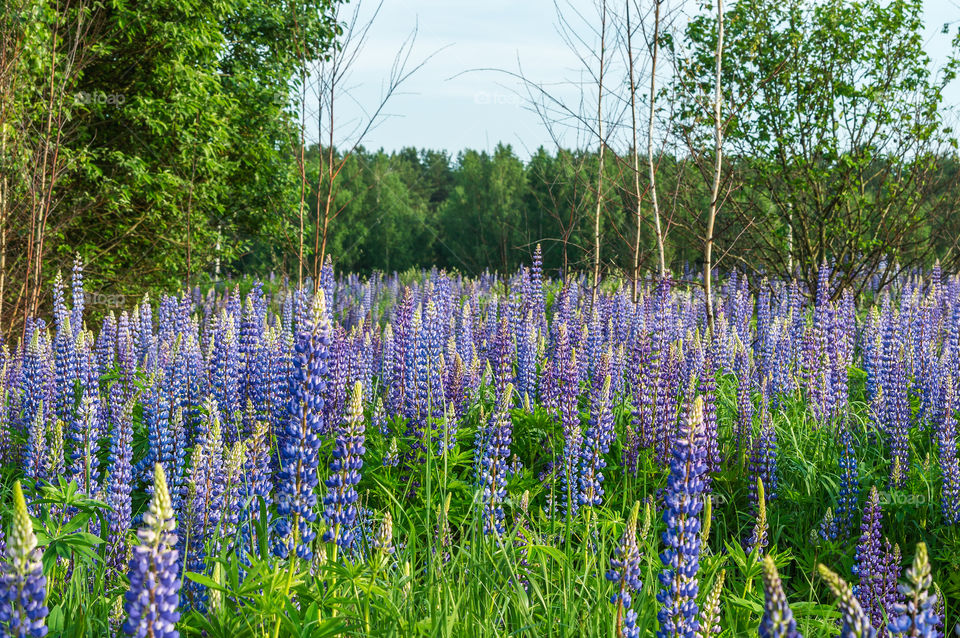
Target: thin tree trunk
x=636 y=156
x=650 y=168
x=715 y=189
x=596 y=221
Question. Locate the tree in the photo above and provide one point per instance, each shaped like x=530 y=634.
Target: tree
x=834 y=129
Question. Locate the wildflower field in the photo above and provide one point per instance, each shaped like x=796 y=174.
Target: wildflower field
x=434 y=455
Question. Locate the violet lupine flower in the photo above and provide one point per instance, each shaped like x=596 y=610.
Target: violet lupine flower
x=569 y=390
x=855 y=622
x=154 y=595
x=870 y=565
x=119 y=479
x=298 y=440
x=527 y=361
x=493 y=471
x=204 y=502
x=678 y=615
x=598 y=438
x=917 y=617
x=946 y=436
x=763 y=458
x=625 y=570
x=777 y=621
x=898 y=425
x=22 y=583
x=849 y=495
x=744 y=425
x=340 y=511
x=708 y=390
x=36 y=394
x=665 y=416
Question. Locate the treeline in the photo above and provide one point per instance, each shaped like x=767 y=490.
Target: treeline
x=418 y=208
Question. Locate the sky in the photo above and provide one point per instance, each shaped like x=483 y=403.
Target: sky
x=467 y=94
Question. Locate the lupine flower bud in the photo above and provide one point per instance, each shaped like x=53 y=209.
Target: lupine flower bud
x=855 y=623
x=154 y=594
x=22 y=584
x=777 y=621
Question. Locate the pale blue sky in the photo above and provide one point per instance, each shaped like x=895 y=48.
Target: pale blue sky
x=447 y=105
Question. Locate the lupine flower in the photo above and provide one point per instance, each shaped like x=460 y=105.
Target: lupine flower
x=383 y=541
x=679 y=613
x=758 y=538
x=849 y=482
x=625 y=570
x=710 y=616
x=22 y=583
x=119 y=481
x=855 y=623
x=777 y=621
x=299 y=441
x=917 y=616
x=871 y=563
x=154 y=594
x=493 y=474
x=597 y=441
x=340 y=511
x=946 y=436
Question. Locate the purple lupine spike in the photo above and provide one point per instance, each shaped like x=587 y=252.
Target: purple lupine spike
x=643 y=366
x=119 y=479
x=598 y=438
x=763 y=458
x=777 y=621
x=569 y=392
x=153 y=598
x=873 y=564
x=679 y=612
x=204 y=502
x=298 y=440
x=527 y=361
x=708 y=390
x=665 y=415
x=946 y=436
x=898 y=424
x=493 y=473
x=22 y=583
x=36 y=395
x=849 y=495
x=252 y=364
x=340 y=512
x=625 y=572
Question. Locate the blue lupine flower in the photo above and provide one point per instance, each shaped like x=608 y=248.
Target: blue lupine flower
x=298 y=440
x=340 y=511
x=684 y=502
x=917 y=616
x=493 y=473
x=22 y=583
x=849 y=495
x=154 y=595
x=777 y=621
x=625 y=570
x=119 y=479
x=598 y=438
